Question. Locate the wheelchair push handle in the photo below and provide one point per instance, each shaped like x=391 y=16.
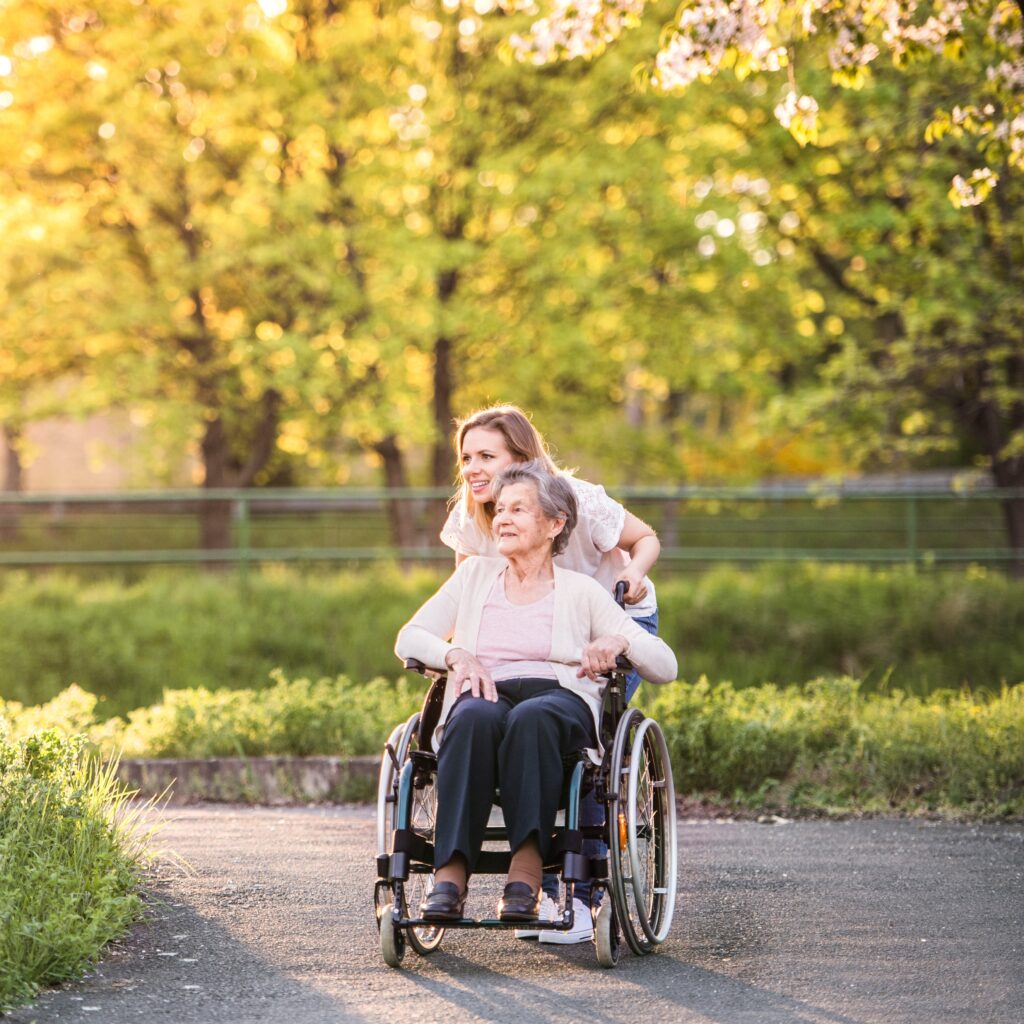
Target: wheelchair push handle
x=621 y=662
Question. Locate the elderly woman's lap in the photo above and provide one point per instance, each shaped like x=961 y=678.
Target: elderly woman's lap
x=516 y=745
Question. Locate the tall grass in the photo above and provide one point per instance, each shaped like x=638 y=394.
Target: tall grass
x=69 y=862
x=128 y=642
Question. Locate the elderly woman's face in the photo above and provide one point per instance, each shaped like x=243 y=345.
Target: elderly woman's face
x=520 y=527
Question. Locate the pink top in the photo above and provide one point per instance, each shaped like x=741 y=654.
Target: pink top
x=515 y=639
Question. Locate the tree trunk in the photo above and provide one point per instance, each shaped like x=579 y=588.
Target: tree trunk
x=442 y=461
x=671 y=415
x=13 y=481
x=441 y=464
x=219 y=472
x=215 y=516
x=13 y=476
x=400 y=510
x=1010 y=474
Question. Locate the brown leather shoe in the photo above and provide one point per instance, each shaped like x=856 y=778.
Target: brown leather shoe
x=519 y=903
x=444 y=903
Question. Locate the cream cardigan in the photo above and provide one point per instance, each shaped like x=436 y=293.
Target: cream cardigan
x=583 y=612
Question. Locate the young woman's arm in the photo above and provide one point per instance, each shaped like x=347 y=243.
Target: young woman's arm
x=643 y=547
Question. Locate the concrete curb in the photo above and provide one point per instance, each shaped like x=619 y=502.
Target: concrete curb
x=254 y=780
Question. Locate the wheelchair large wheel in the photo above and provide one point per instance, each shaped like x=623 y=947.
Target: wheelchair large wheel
x=402 y=737
x=642 y=832
x=422 y=814
x=651 y=831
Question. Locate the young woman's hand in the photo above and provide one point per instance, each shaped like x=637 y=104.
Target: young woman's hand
x=636 y=587
x=466 y=672
x=599 y=656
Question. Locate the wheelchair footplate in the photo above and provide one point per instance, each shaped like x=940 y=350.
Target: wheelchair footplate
x=563 y=924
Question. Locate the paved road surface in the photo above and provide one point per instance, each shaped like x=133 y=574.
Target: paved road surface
x=823 y=922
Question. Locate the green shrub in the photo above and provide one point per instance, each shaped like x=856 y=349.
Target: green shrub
x=127 y=643
x=300 y=717
x=69 y=862
x=917 y=631
x=826 y=745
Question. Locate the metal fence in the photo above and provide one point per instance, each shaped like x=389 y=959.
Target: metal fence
x=697 y=526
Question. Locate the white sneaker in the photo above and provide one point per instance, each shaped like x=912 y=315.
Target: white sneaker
x=548 y=912
x=582 y=929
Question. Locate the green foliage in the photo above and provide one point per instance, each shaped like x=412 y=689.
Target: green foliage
x=300 y=717
x=829 y=746
x=826 y=745
x=69 y=862
x=919 y=631
x=128 y=643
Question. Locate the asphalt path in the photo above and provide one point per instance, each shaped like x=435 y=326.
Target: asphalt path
x=267 y=917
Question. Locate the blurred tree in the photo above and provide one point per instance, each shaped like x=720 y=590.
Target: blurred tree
x=218 y=155
x=294 y=228
x=570 y=276
x=908 y=315
x=756 y=37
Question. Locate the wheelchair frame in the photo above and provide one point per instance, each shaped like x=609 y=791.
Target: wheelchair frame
x=633 y=782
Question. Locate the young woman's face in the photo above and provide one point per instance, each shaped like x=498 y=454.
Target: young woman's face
x=484 y=455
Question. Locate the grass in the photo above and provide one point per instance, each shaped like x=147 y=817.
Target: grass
x=70 y=862
x=127 y=643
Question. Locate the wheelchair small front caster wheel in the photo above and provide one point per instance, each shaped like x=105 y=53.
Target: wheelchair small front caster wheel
x=392 y=939
x=606 y=935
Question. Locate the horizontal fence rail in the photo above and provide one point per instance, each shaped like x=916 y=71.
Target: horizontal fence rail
x=848 y=522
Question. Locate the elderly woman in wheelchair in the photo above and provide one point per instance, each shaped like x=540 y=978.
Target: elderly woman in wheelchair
x=530 y=647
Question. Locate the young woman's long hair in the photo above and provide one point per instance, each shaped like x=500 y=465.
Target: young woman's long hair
x=523 y=439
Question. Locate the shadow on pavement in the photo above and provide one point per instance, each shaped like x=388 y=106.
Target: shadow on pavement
x=472 y=990
x=178 y=966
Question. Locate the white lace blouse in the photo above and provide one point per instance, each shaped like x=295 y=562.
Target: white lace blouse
x=592 y=548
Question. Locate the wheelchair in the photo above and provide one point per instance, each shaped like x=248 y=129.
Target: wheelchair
x=633 y=783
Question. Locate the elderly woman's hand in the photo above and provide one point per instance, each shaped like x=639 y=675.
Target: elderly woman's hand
x=464 y=670
x=599 y=656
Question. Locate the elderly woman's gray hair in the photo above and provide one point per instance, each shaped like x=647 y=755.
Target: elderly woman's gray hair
x=554 y=495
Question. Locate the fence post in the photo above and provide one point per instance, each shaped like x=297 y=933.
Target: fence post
x=911 y=527
x=242 y=539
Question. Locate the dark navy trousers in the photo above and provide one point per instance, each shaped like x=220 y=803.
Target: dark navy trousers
x=516 y=746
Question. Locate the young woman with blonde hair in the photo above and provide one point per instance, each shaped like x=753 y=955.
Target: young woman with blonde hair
x=609 y=543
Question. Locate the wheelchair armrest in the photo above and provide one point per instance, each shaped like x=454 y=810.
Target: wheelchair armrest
x=430 y=713
x=415 y=665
